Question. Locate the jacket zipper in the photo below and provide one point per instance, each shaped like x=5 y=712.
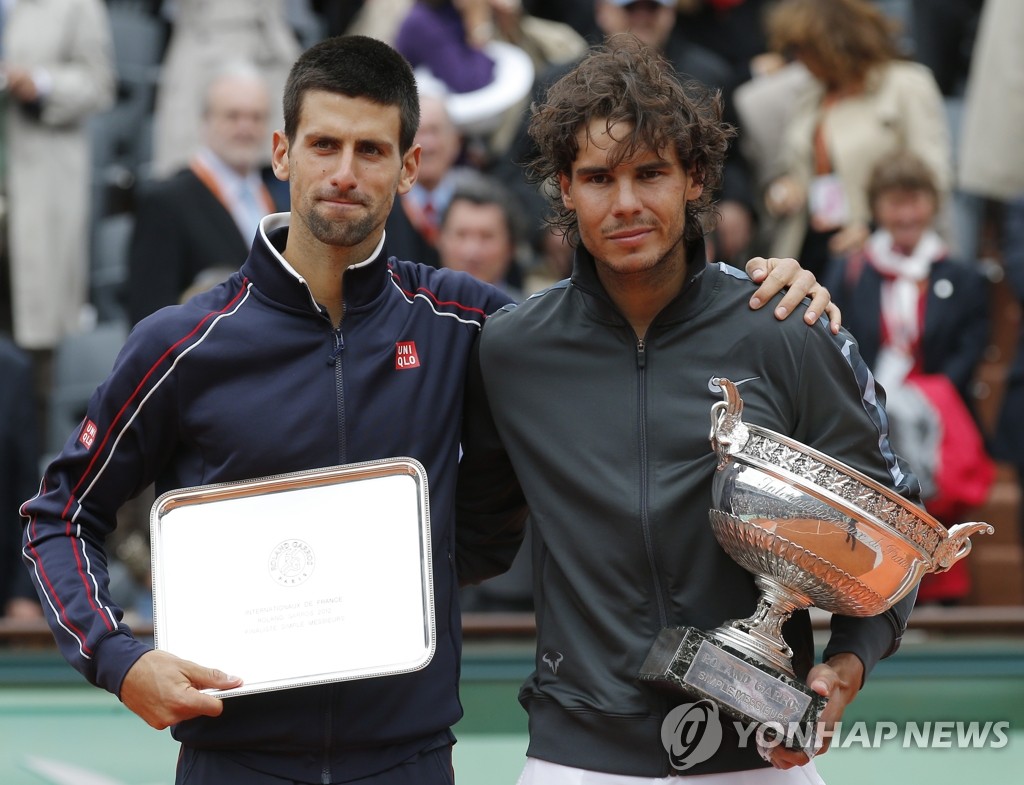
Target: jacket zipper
x=645 y=522
x=339 y=388
x=339 y=378
x=325 y=769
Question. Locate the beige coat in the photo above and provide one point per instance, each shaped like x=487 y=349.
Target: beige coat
x=207 y=35
x=48 y=161
x=901 y=107
x=991 y=151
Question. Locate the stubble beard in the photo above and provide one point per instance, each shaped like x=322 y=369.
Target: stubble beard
x=345 y=234
x=652 y=270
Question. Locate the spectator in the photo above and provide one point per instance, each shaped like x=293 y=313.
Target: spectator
x=481 y=234
x=203 y=36
x=921 y=321
x=58 y=70
x=865 y=101
x=206 y=214
x=913 y=308
x=447 y=38
x=413 y=224
x=456 y=47
x=513 y=40
x=19 y=476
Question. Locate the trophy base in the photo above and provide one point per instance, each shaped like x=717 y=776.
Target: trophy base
x=699 y=665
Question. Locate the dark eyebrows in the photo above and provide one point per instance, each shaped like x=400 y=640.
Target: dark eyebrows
x=380 y=144
x=655 y=165
x=648 y=166
x=314 y=136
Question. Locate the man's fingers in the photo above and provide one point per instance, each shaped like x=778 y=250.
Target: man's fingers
x=821 y=299
x=164 y=689
x=803 y=284
x=822 y=685
x=757 y=268
x=774 y=275
x=200 y=704
x=202 y=678
x=187 y=700
x=210 y=678
x=835 y=317
x=782 y=758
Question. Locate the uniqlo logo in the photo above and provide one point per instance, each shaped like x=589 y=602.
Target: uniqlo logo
x=406 y=356
x=88 y=435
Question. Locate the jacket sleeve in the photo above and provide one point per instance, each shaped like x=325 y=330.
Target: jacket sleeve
x=841 y=412
x=490 y=507
x=127 y=433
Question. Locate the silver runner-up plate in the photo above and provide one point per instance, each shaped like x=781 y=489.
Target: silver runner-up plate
x=297 y=579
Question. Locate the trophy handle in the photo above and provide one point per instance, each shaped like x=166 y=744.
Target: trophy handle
x=728 y=433
x=958 y=544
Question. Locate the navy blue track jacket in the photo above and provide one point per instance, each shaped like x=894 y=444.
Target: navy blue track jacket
x=252 y=379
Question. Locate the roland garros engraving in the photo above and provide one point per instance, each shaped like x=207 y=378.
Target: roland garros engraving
x=292 y=562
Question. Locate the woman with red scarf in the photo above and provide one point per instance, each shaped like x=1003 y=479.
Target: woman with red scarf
x=922 y=323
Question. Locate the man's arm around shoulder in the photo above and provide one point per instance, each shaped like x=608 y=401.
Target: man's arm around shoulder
x=490 y=507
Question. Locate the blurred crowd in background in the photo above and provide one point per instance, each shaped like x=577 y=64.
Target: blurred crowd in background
x=876 y=142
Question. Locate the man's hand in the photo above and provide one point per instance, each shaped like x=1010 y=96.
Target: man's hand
x=774 y=275
x=164 y=690
x=839 y=680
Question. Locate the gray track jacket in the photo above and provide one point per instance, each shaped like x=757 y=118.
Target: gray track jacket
x=608 y=436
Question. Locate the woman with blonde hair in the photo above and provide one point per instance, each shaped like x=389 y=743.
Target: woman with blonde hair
x=864 y=102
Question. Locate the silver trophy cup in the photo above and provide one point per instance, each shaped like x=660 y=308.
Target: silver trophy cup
x=812 y=531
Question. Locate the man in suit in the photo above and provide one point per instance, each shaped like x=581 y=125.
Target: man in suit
x=205 y=215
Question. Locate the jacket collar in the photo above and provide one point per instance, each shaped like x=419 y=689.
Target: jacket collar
x=278 y=281
x=688 y=302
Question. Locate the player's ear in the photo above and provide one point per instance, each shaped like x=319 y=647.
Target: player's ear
x=279 y=158
x=565 y=186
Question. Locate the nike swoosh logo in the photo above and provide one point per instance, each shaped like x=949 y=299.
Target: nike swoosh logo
x=714 y=388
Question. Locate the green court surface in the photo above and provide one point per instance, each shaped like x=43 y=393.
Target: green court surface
x=54 y=729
